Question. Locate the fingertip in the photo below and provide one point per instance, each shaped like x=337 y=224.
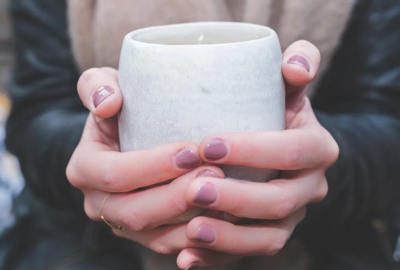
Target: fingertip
x=186 y=156
x=202 y=192
x=106 y=101
x=99 y=91
x=188 y=259
x=202 y=230
x=295 y=75
x=192 y=258
x=301 y=62
x=214 y=149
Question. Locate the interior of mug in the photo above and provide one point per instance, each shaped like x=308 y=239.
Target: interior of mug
x=201 y=33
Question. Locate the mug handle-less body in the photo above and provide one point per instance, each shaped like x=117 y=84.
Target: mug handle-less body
x=175 y=89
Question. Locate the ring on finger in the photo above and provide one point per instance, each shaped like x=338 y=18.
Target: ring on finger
x=105 y=220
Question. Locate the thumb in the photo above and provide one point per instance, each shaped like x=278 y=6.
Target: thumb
x=99 y=91
x=300 y=66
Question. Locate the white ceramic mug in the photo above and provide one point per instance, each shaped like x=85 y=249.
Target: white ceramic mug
x=186 y=81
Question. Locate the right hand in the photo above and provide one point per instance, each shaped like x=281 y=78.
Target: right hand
x=99 y=169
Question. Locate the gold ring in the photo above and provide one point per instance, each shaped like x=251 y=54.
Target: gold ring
x=105 y=220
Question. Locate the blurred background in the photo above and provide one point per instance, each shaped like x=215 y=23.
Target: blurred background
x=5 y=46
x=10 y=179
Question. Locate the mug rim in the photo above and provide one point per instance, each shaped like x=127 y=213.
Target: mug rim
x=130 y=37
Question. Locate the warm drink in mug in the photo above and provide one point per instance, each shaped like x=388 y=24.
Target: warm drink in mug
x=187 y=81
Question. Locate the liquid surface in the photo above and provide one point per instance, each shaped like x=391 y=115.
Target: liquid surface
x=202 y=34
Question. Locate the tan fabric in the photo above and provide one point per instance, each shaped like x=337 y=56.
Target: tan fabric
x=98 y=26
x=97 y=29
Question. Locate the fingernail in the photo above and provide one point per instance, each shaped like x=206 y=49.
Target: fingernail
x=300 y=61
x=228 y=217
x=206 y=194
x=102 y=94
x=205 y=234
x=207 y=174
x=215 y=150
x=193 y=266
x=187 y=159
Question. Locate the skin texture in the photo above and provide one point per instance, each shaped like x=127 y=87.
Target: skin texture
x=303 y=152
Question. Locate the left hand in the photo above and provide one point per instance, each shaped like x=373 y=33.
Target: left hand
x=303 y=153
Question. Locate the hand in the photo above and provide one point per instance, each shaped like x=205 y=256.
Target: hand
x=99 y=169
x=303 y=152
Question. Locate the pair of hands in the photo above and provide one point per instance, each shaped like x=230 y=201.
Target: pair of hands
x=303 y=152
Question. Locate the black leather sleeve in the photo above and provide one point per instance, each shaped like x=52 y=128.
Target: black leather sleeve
x=358 y=101
x=47 y=117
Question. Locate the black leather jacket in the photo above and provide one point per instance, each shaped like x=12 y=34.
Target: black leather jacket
x=358 y=101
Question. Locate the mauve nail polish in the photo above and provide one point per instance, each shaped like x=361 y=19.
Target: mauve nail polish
x=205 y=234
x=187 y=159
x=206 y=194
x=300 y=61
x=193 y=266
x=215 y=150
x=208 y=174
x=102 y=94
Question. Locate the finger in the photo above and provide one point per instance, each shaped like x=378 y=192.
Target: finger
x=300 y=66
x=166 y=240
x=224 y=216
x=99 y=91
x=133 y=210
x=265 y=239
x=274 y=200
x=282 y=150
x=92 y=166
x=202 y=258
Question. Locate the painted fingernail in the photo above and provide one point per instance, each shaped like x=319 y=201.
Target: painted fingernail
x=206 y=194
x=187 y=159
x=299 y=61
x=193 y=266
x=215 y=150
x=205 y=234
x=102 y=94
x=207 y=174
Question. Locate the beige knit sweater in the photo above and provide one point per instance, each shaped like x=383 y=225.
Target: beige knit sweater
x=97 y=28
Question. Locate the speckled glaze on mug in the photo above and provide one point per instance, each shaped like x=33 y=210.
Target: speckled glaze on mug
x=184 y=82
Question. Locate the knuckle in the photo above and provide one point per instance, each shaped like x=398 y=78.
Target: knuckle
x=110 y=182
x=302 y=214
x=118 y=233
x=277 y=244
x=161 y=248
x=178 y=202
x=292 y=154
x=90 y=212
x=322 y=190
x=332 y=153
x=72 y=173
x=130 y=220
x=155 y=171
x=285 y=208
x=111 y=179
x=239 y=204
